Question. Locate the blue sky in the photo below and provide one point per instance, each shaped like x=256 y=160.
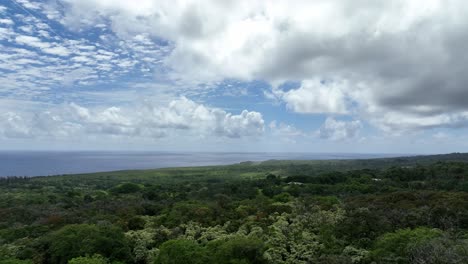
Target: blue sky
x=308 y=76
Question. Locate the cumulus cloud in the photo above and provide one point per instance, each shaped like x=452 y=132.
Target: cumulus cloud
x=285 y=130
x=400 y=121
x=403 y=58
x=315 y=97
x=181 y=116
x=398 y=65
x=13 y=125
x=339 y=130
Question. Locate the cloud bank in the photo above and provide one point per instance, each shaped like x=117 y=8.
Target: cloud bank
x=326 y=71
x=388 y=62
x=339 y=130
x=179 y=117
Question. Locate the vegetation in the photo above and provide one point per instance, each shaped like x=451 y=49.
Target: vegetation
x=402 y=210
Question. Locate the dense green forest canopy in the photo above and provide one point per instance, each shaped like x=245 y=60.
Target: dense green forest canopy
x=397 y=210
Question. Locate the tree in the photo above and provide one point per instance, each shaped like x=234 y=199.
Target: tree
x=127 y=187
x=397 y=246
x=15 y=261
x=96 y=259
x=74 y=241
x=442 y=250
x=238 y=249
x=181 y=252
x=290 y=241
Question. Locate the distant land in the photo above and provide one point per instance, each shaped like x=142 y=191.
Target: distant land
x=43 y=163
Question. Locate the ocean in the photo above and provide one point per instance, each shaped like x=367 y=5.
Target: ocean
x=44 y=163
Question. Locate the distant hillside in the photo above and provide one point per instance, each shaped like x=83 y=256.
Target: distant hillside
x=377 y=163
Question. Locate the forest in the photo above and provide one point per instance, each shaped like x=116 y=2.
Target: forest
x=393 y=210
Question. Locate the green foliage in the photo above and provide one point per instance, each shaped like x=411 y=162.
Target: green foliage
x=181 y=252
x=143 y=243
x=227 y=250
x=283 y=197
x=136 y=223
x=397 y=246
x=126 y=188
x=79 y=240
x=183 y=212
x=96 y=259
x=442 y=250
x=403 y=210
x=356 y=255
x=15 y=261
x=238 y=249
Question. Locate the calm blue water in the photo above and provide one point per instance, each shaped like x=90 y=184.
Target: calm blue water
x=19 y=163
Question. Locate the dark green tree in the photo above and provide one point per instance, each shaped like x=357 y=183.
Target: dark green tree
x=80 y=240
x=181 y=252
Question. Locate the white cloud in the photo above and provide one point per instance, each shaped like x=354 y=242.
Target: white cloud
x=32 y=42
x=30 y=4
x=13 y=125
x=5 y=33
x=236 y=126
x=58 y=50
x=396 y=57
x=179 y=117
x=339 y=130
x=285 y=130
x=6 y=21
x=315 y=97
x=398 y=65
x=47 y=65
x=400 y=121
x=27 y=29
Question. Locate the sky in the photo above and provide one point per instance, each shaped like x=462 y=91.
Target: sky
x=363 y=76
